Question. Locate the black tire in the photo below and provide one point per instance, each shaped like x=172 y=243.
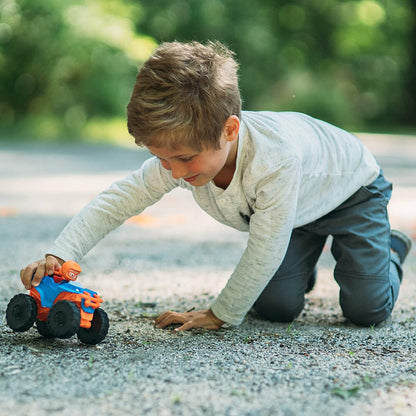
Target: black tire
x=21 y=312
x=98 y=330
x=63 y=319
x=43 y=329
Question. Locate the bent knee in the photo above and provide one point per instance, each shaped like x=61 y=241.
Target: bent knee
x=366 y=301
x=277 y=312
x=366 y=314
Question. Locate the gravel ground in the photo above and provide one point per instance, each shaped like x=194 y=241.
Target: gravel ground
x=175 y=257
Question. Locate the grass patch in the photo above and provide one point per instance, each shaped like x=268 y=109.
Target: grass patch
x=51 y=129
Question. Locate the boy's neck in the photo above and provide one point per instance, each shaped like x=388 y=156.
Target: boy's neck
x=225 y=176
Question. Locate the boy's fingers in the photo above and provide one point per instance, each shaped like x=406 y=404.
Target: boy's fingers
x=168 y=318
x=27 y=273
x=51 y=264
x=25 y=277
x=186 y=326
x=160 y=318
x=189 y=320
x=39 y=273
x=159 y=322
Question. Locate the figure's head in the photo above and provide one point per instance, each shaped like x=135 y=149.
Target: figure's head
x=183 y=95
x=70 y=270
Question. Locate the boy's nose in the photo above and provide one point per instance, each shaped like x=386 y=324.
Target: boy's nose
x=177 y=170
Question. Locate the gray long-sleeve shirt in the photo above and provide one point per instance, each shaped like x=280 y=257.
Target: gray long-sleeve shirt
x=291 y=169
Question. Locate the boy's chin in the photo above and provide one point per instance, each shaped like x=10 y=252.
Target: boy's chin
x=199 y=182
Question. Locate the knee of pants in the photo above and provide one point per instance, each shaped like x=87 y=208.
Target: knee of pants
x=278 y=310
x=366 y=310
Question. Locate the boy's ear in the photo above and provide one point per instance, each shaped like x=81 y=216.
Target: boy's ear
x=231 y=128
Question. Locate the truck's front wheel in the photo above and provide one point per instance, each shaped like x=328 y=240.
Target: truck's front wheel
x=98 y=330
x=64 y=319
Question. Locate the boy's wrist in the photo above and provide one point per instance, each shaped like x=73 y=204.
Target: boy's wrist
x=215 y=319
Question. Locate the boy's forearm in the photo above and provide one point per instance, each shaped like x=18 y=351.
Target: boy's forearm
x=261 y=259
x=109 y=210
x=81 y=234
x=103 y=214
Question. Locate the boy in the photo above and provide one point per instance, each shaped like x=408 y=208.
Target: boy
x=286 y=178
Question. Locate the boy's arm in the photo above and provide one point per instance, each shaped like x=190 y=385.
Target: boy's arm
x=111 y=208
x=271 y=226
x=270 y=229
x=103 y=214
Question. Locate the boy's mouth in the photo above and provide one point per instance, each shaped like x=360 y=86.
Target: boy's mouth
x=191 y=178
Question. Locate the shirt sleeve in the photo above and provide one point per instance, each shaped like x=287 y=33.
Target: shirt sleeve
x=111 y=208
x=271 y=226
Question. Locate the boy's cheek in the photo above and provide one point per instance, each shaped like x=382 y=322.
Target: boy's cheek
x=165 y=164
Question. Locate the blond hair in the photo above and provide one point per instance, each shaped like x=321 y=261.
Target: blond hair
x=183 y=95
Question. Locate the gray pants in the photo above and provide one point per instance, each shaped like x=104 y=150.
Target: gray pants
x=366 y=271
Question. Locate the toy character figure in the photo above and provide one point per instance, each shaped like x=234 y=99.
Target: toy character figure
x=68 y=272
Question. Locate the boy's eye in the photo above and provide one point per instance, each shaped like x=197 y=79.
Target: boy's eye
x=186 y=159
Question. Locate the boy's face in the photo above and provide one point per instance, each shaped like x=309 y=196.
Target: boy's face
x=197 y=168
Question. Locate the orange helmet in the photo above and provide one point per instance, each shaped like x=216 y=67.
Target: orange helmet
x=70 y=270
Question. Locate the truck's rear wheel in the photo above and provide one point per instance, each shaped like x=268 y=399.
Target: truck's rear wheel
x=21 y=312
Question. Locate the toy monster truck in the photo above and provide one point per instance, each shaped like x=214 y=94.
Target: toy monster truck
x=60 y=308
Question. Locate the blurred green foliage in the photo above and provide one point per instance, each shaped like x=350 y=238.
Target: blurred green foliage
x=67 y=67
x=349 y=62
x=64 y=63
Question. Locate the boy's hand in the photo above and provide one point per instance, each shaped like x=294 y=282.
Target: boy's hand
x=195 y=319
x=38 y=269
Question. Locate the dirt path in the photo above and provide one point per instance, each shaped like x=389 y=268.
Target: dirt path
x=174 y=256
